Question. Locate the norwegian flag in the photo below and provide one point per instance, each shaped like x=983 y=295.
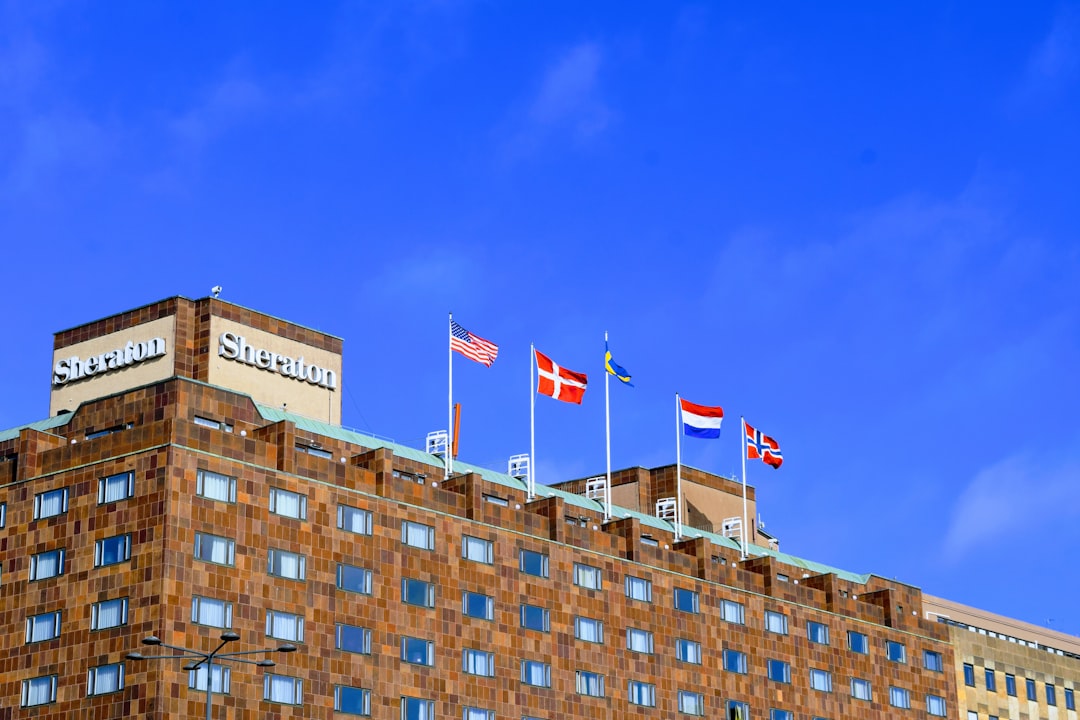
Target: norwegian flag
x=556 y=381
x=472 y=346
x=762 y=447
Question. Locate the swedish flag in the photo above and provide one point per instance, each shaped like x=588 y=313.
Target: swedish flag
x=615 y=369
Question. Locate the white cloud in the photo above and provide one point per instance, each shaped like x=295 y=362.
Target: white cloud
x=569 y=93
x=1053 y=64
x=230 y=101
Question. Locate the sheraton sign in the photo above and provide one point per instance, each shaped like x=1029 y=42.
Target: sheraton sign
x=77 y=368
x=235 y=347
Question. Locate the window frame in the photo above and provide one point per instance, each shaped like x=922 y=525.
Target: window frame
x=1010 y=684
x=582 y=570
x=32 y=626
x=688 y=644
x=526 y=558
x=95 y=613
x=297 y=689
x=526 y=675
x=409 y=527
x=825 y=676
x=586 y=681
x=901 y=694
x=775 y=619
x=633 y=584
x=28 y=683
x=129 y=486
x=489 y=605
x=35 y=564
x=199 y=601
x=93 y=677
x=734 y=661
x=933 y=661
x=423 y=708
x=230 y=485
x=640 y=693
x=354 y=632
x=100 y=546
x=488 y=669
x=647 y=637
x=596 y=626
x=408 y=584
x=410 y=644
x=774 y=667
x=890 y=650
x=969 y=675
x=811 y=627
x=680 y=597
x=224 y=675
x=230 y=549
x=39 y=499
x=1029 y=686
x=698 y=709
x=365 y=700
x=936 y=702
x=366 y=575
x=367 y=523
x=299 y=498
x=296 y=620
x=274 y=557
x=470 y=544
x=733 y=612
x=545 y=616
x=990 y=678
x=861 y=684
x=864 y=642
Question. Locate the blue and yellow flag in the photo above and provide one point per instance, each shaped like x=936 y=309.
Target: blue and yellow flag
x=615 y=369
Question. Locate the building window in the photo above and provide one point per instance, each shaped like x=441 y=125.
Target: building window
x=1010 y=685
x=417 y=592
x=775 y=714
x=417 y=709
x=821 y=680
x=733 y=612
x=108 y=614
x=354 y=520
x=1051 y=695
x=590 y=683
x=215 y=486
x=417 y=535
x=110 y=551
x=47 y=564
x=991 y=680
x=935 y=705
x=738 y=710
x=285 y=564
x=352 y=578
x=932 y=660
x=352 y=638
x=857 y=642
x=776 y=622
x=735 y=661
x=222 y=679
x=43 y=627
x=860 y=689
x=900 y=698
x=641 y=693
x=588 y=629
x=116 y=487
x=215 y=613
x=478 y=662
x=352 y=700
x=1070 y=700
x=639 y=641
x=288 y=504
x=283 y=689
x=688 y=651
x=472 y=713
x=477 y=605
x=691 y=703
x=94 y=434
x=895 y=651
x=417 y=651
x=3 y=514
x=588 y=577
x=496 y=500
x=817 y=632
x=477 y=549
x=533 y=563
x=638 y=589
x=209 y=423
x=779 y=671
x=314 y=451
x=972 y=715
x=969 y=674
x=686 y=600
x=535 y=673
x=38 y=691
x=105 y=679
x=285 y=626
x=214 y=549
x=534 y=617
x=51 y=503
x=1030 y=689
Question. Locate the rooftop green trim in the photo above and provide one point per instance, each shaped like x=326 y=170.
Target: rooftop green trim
x=54 y=422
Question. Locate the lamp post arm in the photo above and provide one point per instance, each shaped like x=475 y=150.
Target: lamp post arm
x=246 y=652
x=237 y=660
x=185 y=656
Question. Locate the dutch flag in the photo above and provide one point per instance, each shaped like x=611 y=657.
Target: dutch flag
x=701 y=420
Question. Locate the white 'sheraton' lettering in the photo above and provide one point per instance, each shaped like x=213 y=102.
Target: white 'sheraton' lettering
x=76 y=368
x=234 y=347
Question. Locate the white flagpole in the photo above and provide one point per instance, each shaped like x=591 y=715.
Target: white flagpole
x=531 y=491
x=607 y=423
x=744 y=533
x=450 y=405
x=678 y=468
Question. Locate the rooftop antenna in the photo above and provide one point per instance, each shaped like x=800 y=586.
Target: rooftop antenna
x=216 y=290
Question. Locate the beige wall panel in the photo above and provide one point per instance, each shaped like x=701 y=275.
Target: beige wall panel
x=626 y=495
x=270 y=387
x=718 y=505
x=69 y=395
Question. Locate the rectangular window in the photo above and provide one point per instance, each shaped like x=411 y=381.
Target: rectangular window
x=638 y=589
x=895 y=651
x=1051 y=695
x=533 y=563
x=969 y=674
x=314 y=451
x=93 y=434
x=3 y=514
x=352 y=700
x=991 y=680
x=535 y=673
x=288 y=504
x=38 y=691
x=972 y=715
x=352 y=638
x=285 y=564
x=641 y=693
x=417 y=651
x=639 y=641
x=1010 y=685
x=1070 y=699
x=417 y=535
x=352 y=578
x=733 y=612
x=590 y=683
x=900 y=698
x=116 y=487
x=932 y=661
x=860 y=689
x=857 y=642
x=215 y=424
x=43 y=627
x=691 y=703
x=472 y=713
x=779 y=671
x=588 y=577
x=478 y=662
x=821 y=680
x=47 y=564
x=50 y=503
x=108 y=614
x=534 y=617
x=105 y=679
x=775 y=714
x=688 y=651
x=208 y=611
x=111 y=551
x=737 y=710
x=496 y=500
x=417 y=592
x=477 y=549
x=477 y=605
x=588 y=629
x=285 y=626
x=1030 y=689
x=686 y=600
x=776 y=622
x=215 y=486
x=417 y=709
x=222 y=679
x=214 y=549
x=817 y=632
x=354 y=520
x=283 y=689
x=735 y=661
x=935 y=705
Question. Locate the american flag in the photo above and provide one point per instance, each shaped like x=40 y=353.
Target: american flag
x=472 y=346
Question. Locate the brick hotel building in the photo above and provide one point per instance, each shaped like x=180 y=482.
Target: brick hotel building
x=193 y=479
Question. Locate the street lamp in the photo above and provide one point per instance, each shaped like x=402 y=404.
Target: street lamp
x=198 y=659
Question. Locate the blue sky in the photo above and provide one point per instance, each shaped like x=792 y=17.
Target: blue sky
x=856 y=226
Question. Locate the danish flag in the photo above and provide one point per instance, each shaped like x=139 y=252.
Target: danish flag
x=558 y=382
x=763 y=447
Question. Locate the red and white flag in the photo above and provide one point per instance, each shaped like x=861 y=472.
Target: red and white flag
x=763 y=447
x=558 y=382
